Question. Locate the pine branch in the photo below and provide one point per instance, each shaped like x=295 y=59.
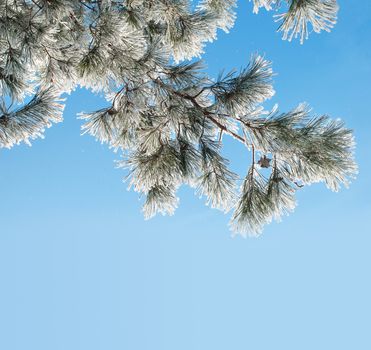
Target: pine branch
x=165 y=116
x=30 y=121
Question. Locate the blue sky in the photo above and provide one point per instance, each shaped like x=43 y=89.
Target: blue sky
x=81 y=269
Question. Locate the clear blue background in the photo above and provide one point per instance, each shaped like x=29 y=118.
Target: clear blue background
x=81 y=270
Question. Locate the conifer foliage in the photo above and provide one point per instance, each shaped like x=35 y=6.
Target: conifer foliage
x=165 y=116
